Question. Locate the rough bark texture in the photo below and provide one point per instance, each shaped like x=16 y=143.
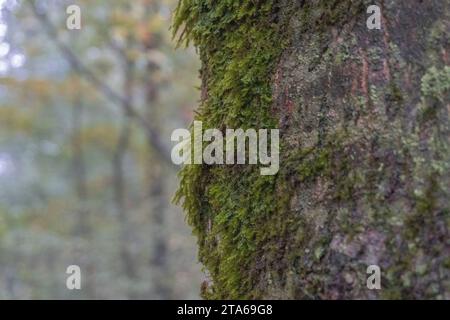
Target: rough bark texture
x=364 y=175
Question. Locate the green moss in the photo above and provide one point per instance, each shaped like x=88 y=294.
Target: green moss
x=239 y=44
x=435 y=89
x=436 y=83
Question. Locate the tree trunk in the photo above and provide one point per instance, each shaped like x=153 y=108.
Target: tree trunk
x=156 y=175
x=129 y=266
x=364 y=148
x=159 y=262
x=82 y=229
x=120 y=200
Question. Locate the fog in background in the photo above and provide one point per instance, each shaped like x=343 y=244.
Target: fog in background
x=85 y=178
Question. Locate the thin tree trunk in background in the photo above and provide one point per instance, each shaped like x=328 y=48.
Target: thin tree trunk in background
x=79 y=168
x=120 y=199
x=159 y=257
x=159 y=263
x=157 y=194
x=119 y=185
x=82 y=225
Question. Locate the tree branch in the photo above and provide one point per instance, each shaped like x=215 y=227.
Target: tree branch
x=103 y=88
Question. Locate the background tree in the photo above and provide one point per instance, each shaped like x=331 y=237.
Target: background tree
x=81 y=155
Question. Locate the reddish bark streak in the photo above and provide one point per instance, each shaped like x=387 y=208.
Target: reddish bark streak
x=354 y=81
x=364 y=74
x=386 y=39
x=445 y=56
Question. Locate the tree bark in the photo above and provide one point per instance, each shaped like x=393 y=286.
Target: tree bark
x=159 y=257
x=83 y=228
x=364 y=159
x=129 y=266
x=79 y=169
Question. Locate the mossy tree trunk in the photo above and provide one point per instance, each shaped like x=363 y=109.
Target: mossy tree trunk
x=364 y=159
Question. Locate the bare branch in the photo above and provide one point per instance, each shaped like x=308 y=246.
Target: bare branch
x=103 y=88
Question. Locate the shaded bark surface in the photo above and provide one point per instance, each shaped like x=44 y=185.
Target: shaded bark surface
x=360 y=97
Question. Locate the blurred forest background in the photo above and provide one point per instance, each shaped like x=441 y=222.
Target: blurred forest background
x=85 y=123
